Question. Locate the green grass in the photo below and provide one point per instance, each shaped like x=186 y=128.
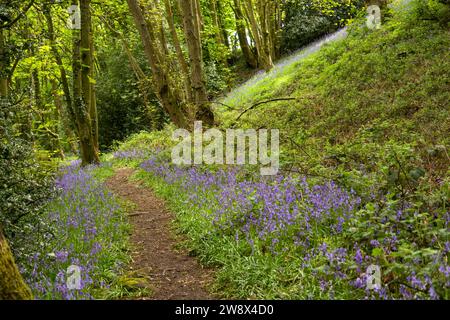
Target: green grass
x=369 y=106
x=396 y=76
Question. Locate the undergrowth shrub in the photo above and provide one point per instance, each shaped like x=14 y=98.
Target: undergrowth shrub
x=25 y=183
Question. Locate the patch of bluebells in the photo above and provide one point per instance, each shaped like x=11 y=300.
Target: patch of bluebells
x=87 y=222
x=129 y=154
x=262 y=208
x=318 y=221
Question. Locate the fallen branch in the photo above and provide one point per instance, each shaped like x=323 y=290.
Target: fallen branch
x=222 y=104
x=300 y=147
x=259 y=104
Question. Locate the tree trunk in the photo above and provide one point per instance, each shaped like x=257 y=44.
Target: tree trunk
x=180 y=56
x=220 y=35
x=276 y=25
x=242 y=35
x=259 y=26
x=215 y=17
x=59 y=62
x=164 y=92
x=268 y=9
x=60 y=118
x=93 y=107
x=3 y=65
x=86 y=57
x=87 y=71
x=82 y=89
x=199 y=18
x=36 y=88
x=70 y=125
x=191 y=17
x=12 y=286
x=222 y=25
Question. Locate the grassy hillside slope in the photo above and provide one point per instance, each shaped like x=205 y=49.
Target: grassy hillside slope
x=363 y=102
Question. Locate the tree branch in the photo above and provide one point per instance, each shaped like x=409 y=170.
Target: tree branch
x=261 y=103
x=221 y=103
x=11 y=23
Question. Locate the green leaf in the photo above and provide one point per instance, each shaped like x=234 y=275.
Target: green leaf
x=92 y=80
x=377 y=252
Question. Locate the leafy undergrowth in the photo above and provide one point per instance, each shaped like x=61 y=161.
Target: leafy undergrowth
x=86 y=227
x=366 y=108
x=293 y=237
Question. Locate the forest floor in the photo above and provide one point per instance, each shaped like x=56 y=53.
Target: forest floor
x=173 y=274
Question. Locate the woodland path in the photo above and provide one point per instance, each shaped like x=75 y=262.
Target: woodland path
x=172 y=273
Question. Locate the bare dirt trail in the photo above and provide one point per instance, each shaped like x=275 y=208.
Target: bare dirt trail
x=173 y=274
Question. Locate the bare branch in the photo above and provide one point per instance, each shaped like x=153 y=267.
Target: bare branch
x=261 y=103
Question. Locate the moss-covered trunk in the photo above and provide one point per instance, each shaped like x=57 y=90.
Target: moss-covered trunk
x=161 y=79
x=3 y=62
x=12 y=286
x=192 y=21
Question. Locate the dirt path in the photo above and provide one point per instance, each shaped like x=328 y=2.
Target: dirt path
x=172 y=273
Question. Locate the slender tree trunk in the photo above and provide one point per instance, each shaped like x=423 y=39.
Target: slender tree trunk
x=68 y=124
x=36 y=88
x=215 y=16
x=59 y=116
x=191 y=18
x=12 y=286
x=93 y=107
x=37 y=103
x=87 y=71
x=268 y=15
x=180 y=56
x=259 y=26
x=226 y=40
x=242 y=35
x=199 y=18
x=3 y=65
x=276 y=24
x=220 y=39
x=82 y=88
x=86 y=57
x=59 y=62
x=160 y=79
